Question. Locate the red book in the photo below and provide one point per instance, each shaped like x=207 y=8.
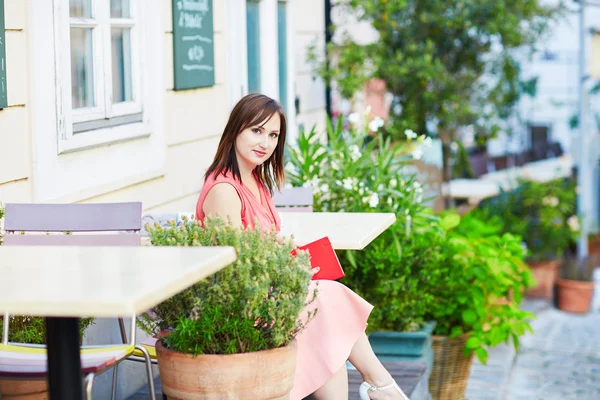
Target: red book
x=323 y=255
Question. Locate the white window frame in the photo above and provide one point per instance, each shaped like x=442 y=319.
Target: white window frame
x=269 y=65
x=133 y=122
x=237 y=52
x=104 y=160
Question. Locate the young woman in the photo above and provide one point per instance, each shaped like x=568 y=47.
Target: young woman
x=238 y=185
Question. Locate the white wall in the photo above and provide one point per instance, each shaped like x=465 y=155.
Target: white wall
x=557 y=67
x=15 y=137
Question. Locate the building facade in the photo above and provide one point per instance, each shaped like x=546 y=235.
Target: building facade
x=93 y=111
x=96 y=106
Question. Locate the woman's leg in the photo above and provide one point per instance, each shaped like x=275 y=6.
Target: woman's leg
x=371 y=369
x=336 y=388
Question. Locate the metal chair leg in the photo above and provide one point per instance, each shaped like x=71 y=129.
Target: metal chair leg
x=148 y=363
x=113 y=391
x=89 y=382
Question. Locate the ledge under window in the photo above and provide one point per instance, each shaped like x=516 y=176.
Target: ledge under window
x=107 y=123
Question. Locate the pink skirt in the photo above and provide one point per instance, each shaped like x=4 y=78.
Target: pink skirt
x=325 y=344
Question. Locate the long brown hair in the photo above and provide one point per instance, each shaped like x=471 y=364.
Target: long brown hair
x=252 y=109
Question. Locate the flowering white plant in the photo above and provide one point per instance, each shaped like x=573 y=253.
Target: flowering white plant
x=356 y=171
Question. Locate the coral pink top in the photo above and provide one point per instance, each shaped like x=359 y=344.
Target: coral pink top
x=326 y=342
x=262 y=209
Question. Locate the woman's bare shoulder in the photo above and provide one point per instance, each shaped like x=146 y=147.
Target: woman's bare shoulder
x=224 y=200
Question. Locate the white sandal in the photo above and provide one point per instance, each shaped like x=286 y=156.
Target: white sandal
x=365 y=388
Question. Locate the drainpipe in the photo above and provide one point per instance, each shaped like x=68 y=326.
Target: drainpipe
x=583 y=167
x=328 y=37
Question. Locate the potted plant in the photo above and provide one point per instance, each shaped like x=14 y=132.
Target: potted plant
x=594 y=245
x=544 y=214
x=473 y=305
x=232 y=334
x=395 y=274
x=575 y=287
x=359 y=171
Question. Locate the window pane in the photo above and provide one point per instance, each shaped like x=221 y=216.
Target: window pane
x=282 y=46
x=82 y=67
x=119 y=9
x=80 y=8
x=253 y=37
x=121 y=65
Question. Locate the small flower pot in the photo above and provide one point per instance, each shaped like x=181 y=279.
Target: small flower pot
x=24 y=389
x=545 y=274
x=574 y=296
x=404 y=345
x=261 y=375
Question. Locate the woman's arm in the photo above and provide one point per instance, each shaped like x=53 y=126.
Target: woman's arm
x=223 y=201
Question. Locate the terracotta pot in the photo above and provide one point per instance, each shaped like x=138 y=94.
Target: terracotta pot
x=19 y=389
x=594 y=244
x=260 y=375
x=545 y=274
x=574 y=296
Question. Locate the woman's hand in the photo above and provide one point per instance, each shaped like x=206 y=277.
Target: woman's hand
x=315 y=270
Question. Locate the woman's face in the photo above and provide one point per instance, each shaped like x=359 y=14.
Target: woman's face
x=255 y=144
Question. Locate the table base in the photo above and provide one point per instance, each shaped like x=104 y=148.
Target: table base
x=64 y=362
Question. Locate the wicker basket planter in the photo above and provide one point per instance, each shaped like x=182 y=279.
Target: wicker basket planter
x=450 y=372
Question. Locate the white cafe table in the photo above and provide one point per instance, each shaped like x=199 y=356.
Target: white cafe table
x=548 y=169
x=65 y=283
x=346 y=231
x=474 y=190
x=507 y=179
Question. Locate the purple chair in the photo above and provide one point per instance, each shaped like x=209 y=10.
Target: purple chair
x=479 y=164
x=298 y=199
x=77 y=225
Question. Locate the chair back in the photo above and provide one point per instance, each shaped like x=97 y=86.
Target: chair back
x=479 y=164
x=75 y=222
x=298 y=199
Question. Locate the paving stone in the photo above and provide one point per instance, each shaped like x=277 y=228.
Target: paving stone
x=561 y=360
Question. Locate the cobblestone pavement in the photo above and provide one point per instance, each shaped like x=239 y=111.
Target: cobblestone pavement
x=561 y=360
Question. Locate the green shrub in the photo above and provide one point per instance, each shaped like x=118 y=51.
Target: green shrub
x=254 y=304
x=544 y=214
x=32 y=330
x=480 y=286
x=357 y=171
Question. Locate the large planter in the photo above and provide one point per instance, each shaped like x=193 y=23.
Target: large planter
x=404 y=345
x=19 y=389
x=262 y=375
x=450 y=372
x=545 y=274
x=574 y=296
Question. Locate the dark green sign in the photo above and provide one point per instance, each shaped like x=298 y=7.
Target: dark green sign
x=193 y=46
x=3 y=100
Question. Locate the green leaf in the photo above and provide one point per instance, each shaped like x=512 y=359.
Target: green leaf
x=456 y=331
x=469 y=316
x=473 y=342
x=450 y=221
x=482 y=355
